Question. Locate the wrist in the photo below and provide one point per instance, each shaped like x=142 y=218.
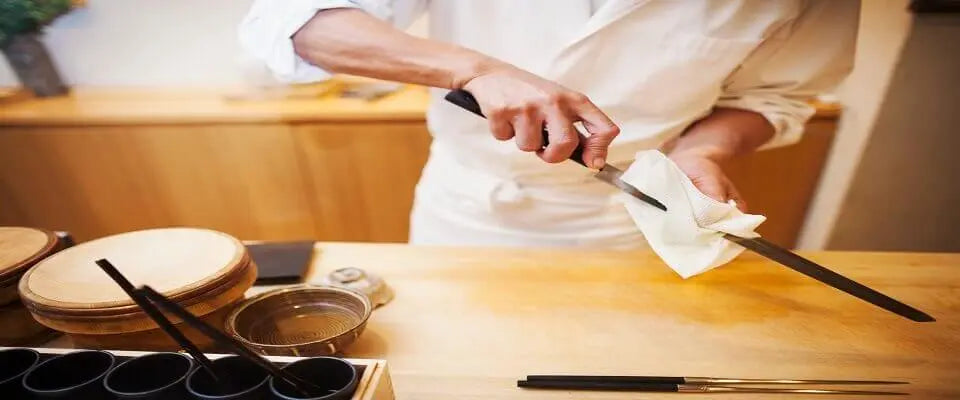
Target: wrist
x=708 y=151
x=473 y=65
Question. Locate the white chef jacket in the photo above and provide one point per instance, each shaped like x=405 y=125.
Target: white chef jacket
x=654 y=66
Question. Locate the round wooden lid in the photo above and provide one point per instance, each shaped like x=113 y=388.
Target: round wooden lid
x=178 y=262
x=21 y=247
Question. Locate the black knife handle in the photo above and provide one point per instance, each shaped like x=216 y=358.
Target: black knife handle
x=466 y=101
x=676 y=380
x=611 y=386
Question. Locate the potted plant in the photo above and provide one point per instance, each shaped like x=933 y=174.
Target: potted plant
x=21 y=22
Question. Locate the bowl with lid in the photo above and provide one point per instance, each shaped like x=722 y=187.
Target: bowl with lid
x=20 y=249
x=204 y=271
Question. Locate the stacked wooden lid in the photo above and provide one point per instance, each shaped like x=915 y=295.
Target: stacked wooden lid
x=20 y=249
x=202 y=270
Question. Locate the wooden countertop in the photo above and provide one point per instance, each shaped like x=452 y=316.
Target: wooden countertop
x=309 y=103
x=184 y=106
x=467 y=323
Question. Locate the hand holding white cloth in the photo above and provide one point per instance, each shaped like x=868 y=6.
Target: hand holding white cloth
x=689 y=236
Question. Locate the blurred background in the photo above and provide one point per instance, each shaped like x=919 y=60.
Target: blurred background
x=165 y=122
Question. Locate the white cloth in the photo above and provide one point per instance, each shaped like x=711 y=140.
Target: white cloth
x=689 y=235
x=654 y=66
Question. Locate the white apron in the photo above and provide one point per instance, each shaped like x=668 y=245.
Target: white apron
x=654 y=66
x=476 y=190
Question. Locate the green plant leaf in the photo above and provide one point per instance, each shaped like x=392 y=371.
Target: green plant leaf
x=28 y=16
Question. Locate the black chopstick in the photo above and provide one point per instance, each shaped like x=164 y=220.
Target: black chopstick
x=597 y=385
x=158 y=317
x=701 y=380
x=145 y=294
x=693 y=384
x=226 y=341
x=686 y=388
x=676 y=380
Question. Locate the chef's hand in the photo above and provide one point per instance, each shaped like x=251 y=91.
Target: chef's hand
x=518 y=104
x=707 y=176
x=724 y=134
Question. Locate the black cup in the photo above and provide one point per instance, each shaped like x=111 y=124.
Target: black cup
x=239 y=379
x=156 y=376
x=77 y=375
x=14 y=364
x=334 y=378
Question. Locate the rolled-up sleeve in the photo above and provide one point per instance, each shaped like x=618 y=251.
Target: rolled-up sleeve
x=806 y=57
x=266 y=31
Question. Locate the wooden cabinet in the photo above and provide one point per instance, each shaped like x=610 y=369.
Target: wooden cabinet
x=98 y=162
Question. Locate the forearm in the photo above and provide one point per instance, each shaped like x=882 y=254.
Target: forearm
x=724 y=134
x=354 y=42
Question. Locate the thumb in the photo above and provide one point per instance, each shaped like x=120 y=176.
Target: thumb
x=602 y=132
x=734 y=194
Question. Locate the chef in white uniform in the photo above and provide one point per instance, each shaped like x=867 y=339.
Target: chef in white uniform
x=703 y=80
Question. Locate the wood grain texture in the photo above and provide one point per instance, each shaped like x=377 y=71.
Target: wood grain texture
x=20 y=249
x=178 y=262
x=86 y=107
x=466 y=323
x=243 y=180
x=780 y=183
x=361 y=177
x=21 y=245
x=287 y=167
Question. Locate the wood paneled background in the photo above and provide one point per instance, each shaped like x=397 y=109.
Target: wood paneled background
x=99 y=163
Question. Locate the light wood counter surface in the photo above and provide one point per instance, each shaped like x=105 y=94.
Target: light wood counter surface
x=467 y=323
x=311 y=103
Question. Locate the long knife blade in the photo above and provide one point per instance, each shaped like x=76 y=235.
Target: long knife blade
x=809 y=268
x=611 y=175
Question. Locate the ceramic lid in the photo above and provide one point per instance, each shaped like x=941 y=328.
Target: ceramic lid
x=181 y=263
x=20 y=247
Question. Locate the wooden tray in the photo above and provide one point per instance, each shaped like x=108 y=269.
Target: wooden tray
x=375 y=383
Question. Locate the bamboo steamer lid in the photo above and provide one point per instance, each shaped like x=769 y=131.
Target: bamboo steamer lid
x=21 y=248
x=200 y=269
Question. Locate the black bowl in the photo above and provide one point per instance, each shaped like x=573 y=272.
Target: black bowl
x=14 y=364
x=77 y=375
x=153 y=376
x=334 y=378
x=239 y=379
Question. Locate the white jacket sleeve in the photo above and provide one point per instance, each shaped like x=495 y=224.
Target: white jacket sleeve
x=807 y=57
x=267 y=29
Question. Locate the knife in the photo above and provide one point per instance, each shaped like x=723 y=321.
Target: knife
x=608 y=173
x=758 y=245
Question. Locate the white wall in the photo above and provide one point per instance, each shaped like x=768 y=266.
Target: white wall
x=904 y=194
x=149 y=43
x=884 y=26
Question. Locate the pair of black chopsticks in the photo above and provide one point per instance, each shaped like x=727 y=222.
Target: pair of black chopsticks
x=681 y=384
x=145 y=297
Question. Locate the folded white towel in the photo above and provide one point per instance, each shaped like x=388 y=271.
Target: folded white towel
x=689 y=236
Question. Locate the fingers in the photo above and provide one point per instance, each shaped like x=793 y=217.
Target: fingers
x=563 y=137
x=501 y=128
x=711 y=187
x=602 y=132
x=527 y=127
x=520 y=115
x=734 y=194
